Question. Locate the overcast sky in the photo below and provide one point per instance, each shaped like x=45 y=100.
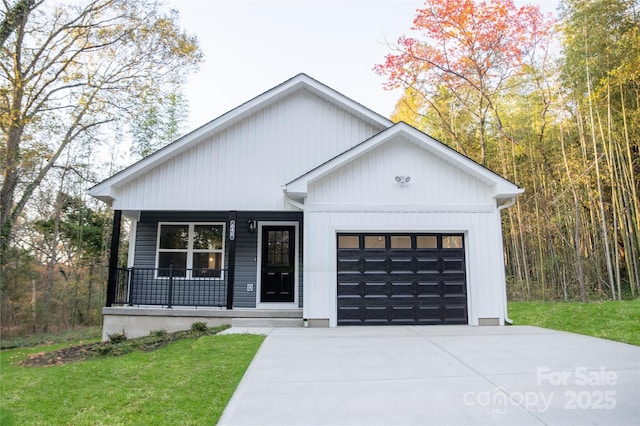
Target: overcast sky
x=252 y=46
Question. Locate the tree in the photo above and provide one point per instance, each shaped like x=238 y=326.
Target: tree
x=468 y=51
x=601 y=74
x=480 y=78
x=159 y=123
x=71 y=241
x=14 y=17
x=65 y=71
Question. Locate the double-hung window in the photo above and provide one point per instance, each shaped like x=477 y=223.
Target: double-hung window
x=190 y=250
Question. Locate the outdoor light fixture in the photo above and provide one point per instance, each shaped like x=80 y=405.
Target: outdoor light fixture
x=252 y=225
x=403 y=179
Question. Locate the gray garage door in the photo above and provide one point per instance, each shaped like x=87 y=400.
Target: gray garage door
x=400 y=278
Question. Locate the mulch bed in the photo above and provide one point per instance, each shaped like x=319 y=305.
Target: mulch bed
x=62 y=356
x=90 y=350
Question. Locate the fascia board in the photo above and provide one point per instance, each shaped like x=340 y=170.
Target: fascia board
x=102 y=192
x=503 y=193
x=104 y=198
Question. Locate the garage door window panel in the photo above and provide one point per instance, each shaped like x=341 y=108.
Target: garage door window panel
x=426 y=242
x=452 y=242
x=375 y=242
x=348 y=242
x=400 y=242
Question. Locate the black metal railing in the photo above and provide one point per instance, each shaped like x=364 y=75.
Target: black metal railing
x=171 y=287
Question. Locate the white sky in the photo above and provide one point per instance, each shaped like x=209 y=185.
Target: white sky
x=252 y=46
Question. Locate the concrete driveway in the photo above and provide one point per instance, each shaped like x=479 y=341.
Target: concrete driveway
x=442 y=375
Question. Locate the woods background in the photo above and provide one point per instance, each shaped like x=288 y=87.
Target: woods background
x=553 y=104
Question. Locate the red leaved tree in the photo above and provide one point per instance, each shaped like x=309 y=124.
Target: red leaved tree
x=464 y=54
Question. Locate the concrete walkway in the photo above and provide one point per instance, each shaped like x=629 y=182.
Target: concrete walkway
x=442 y=375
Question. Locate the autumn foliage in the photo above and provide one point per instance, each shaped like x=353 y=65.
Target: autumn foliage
x=461 y=42
x=553 y=106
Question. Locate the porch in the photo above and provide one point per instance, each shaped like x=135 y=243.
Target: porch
x=140 y=321
x=170 y=287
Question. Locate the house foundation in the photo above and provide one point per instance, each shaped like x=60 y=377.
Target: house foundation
x=138 y=322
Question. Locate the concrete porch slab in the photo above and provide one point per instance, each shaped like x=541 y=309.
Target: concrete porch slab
x=136 y=321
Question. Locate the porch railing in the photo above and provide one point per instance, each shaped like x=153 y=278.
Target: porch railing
x=171 y=287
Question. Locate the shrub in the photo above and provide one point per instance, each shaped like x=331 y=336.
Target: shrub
x=117 y=337
x=199 y=326
x=158 y=333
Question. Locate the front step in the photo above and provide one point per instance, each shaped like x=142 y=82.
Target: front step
x=266 y=322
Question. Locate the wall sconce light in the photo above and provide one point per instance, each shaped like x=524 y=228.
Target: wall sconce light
x=252 y=225
x=403 y=179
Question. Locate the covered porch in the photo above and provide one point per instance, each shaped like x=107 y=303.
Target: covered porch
x=236 y=268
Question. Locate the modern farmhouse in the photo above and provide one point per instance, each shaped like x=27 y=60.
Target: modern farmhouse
x=303 y=207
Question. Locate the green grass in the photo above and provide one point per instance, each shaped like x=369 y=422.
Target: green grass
x=189 y=381
x=613 y=320
x=92 y=334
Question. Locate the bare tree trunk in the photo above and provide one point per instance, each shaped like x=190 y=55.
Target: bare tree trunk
x=633 y=210
x=576 y=235
x=53 y=260
x=596 y=159
x=520 y=234
x=34 y=319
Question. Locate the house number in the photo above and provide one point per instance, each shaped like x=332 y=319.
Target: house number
x=232 y=230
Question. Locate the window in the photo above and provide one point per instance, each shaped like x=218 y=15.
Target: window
x=278 y=249
x=191 y=249
x=374 y=242
x=451 y=241
x=400 y=242
x=426 y=242
x=348 y=242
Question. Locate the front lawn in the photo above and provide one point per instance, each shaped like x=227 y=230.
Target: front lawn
x=613 y=320
x=189 y=381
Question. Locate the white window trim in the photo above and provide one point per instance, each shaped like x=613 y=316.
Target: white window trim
x=190 y=250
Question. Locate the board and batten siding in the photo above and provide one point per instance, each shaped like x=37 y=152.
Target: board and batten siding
x=483 y=253
x=364 y=196
x=370 y=180
x=242 y=167
x=246 y=245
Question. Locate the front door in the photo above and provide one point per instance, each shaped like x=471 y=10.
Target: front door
x=278 y=264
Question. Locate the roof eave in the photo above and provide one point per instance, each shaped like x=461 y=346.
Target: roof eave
x=502 y=194
x=104 y=198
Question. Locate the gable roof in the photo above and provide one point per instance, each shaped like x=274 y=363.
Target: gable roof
x=503 y=189
x=106 y=190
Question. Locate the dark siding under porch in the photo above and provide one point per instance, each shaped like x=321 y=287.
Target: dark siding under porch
x=246 y=245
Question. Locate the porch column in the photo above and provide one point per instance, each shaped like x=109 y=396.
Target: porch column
x=231 y=263
x=113 y=258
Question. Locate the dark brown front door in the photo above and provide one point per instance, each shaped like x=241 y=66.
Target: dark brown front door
x=278 y=264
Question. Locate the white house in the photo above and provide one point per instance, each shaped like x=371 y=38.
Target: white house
x=305 y=207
